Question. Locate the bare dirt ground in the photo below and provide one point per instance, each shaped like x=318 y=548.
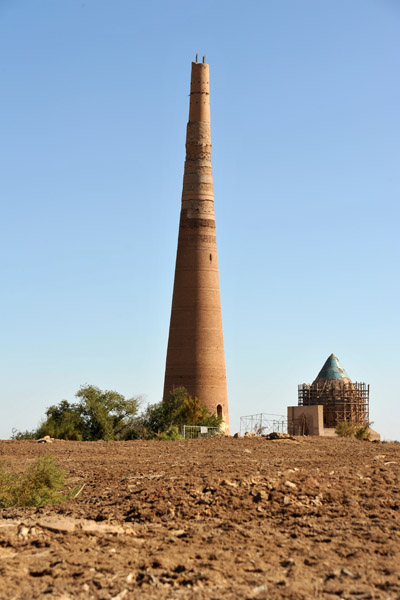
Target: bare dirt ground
x=215 y=518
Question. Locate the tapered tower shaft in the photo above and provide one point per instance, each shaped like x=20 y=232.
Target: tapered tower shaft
x=195 y=356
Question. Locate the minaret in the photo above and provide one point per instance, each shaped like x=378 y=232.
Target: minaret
x=195 y=356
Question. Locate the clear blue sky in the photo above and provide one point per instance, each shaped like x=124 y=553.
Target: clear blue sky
x=305 y=99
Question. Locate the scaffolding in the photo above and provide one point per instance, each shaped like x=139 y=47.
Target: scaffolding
x=341 y=401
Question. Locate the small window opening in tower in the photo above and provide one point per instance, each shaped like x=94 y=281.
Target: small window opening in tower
x=210 y=257
x=219 y=411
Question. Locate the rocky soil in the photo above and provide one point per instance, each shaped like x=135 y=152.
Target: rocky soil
x=208 y=519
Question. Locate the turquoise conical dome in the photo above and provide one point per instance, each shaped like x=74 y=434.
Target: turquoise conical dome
x=333 y=370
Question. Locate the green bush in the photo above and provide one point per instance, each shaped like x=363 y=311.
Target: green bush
x=98 y=415
x=23 y=435
x=40 y=484
x=171 y=434
x=346 y=429
x=63 y=421
x=349 y=429
x=107 y=415
x=180 y=409
x=363 y=432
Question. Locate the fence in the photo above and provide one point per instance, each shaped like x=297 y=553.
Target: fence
x=190 y=432
x=263 y=423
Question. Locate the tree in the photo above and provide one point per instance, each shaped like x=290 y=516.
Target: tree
x=63 y=422
x=179 y=409
x=97 y=416
x=193 y=412
x=105 y=415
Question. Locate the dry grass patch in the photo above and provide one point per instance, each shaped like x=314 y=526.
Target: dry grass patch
x=349 y=429
x=41 y=483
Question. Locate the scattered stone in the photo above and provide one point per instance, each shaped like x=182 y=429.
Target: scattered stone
x=57 y=524
x=121 y=595
x=228 y=483
x=178 y=533
x=23 y=531
x=45 y=440
x=340 y=572
x=9 y=524
x=260 y=588
x=95 y=527
x=288 y=563
x=348 y=574
x=70 y=525
x=260 y=495
x=276 y=435
x=290 y=485
x=237 y=435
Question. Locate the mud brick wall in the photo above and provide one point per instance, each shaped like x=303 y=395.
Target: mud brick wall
x=305 y=420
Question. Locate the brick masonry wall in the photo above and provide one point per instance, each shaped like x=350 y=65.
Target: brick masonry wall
x=195 y=355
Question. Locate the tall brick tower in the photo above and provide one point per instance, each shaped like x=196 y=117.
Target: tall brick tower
x=195 y=356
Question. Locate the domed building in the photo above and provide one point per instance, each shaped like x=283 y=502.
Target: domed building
x=341 y=399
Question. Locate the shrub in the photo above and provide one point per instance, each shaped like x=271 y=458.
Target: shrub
x=180 y=409
x=40 y=484
x=63 y=421
x=346 y=429
x=23 y=435
x=107 y=415
x=349 y=429
x=98 y=415
x=171 y=434
x=363 y=432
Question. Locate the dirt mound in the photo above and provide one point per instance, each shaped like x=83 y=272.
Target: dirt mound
x=237 y=518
